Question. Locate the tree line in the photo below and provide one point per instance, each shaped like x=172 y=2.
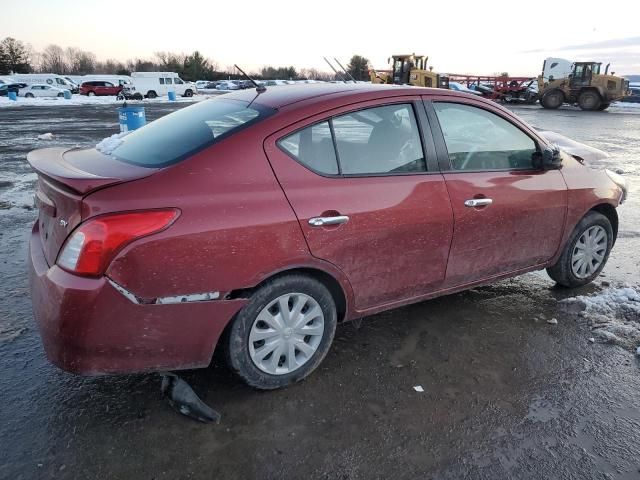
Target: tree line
x=18 y=57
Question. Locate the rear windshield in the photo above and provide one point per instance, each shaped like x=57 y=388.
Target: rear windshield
x=180 y=134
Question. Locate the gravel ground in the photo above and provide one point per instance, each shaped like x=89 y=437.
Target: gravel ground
x=506 y=394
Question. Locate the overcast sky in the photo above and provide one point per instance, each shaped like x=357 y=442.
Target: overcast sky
x=459 y=36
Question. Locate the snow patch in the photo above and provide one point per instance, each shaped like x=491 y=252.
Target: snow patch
x=613 y=314
x=109 y=144
x=46 y=136
x=418 y=388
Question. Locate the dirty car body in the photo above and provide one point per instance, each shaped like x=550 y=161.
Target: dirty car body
x=377 y=196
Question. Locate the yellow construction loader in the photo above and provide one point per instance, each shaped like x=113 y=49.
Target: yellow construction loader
x=410 y=70
x=585 y=85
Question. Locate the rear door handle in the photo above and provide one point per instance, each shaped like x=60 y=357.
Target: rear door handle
x=323 y=221
x=478 y=202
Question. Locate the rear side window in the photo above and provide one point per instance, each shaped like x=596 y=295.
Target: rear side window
x=373 y=141
x=480 y=140
x=162 y=81
x=178 y=135
x=379 y=140
x=313 y=147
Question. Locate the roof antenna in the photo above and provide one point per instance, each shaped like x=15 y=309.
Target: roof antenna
x=259 y=88
x=339 y=75
x=345 y=70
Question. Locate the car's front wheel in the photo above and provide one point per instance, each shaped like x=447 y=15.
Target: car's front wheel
x=28 y=95
x=586 y=252
x=283 y=333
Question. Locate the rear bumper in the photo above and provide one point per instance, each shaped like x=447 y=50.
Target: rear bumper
x=88 y=327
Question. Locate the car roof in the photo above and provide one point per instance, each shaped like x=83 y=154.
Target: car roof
x=284 y=95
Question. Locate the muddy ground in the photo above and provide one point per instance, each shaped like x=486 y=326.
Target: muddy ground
x=506 y=394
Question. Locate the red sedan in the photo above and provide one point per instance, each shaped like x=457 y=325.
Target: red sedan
x=263 y=220
x=99 y=88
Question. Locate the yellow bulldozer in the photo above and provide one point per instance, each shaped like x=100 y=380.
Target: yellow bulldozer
x=584 y=85
x=410 y=70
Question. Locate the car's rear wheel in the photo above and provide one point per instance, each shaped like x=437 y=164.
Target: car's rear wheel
x=28 y=95
x=283 y=333
x=151 y=94
x=91 y=94
x=586 y=252
x=552 y=99
x=61 y=94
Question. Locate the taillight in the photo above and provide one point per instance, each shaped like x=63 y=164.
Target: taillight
x=91 y=247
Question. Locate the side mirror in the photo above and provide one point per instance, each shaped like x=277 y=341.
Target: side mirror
x=548 y=158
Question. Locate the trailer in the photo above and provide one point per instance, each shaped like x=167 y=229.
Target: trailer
x=500 y=88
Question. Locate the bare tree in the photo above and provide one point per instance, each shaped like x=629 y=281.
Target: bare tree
x=52 y=60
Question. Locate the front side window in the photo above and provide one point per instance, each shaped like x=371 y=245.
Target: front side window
x=177 y=81
x=480 y=140
x=379 y=140
x=180 y=134
x=59 y=81
x=313 y=147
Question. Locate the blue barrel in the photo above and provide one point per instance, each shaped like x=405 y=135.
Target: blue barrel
x=67 y=95
x=131 y=118
x=172 y=96
x=13 y=96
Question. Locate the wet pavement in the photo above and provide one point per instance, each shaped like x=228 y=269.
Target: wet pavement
x=506 y=394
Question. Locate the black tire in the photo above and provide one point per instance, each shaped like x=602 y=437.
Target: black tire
x=604 y=106
x=28 y=95
x=151 y=94
x=562 y=272
x=589 y=100
x=91 y=94
x=188 y=93
x=137 y=96
x=237 y=347
x=552 y=99
x=60 y=95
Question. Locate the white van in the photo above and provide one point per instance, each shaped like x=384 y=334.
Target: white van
x=45 y=78
x=154 y=84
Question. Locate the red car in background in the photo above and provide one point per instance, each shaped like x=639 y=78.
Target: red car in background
x=99 y=88
x=261 y=220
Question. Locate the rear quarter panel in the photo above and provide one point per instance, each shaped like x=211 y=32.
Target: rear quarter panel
x=235 y=228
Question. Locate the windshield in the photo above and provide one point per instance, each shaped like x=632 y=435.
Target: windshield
x=174 y=137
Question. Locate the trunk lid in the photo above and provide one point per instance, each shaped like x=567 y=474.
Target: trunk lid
x=65 y=177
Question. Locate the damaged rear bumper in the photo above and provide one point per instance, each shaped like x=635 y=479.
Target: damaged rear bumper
x=89 y=327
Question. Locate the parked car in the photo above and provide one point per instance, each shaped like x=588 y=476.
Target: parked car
x=286 y=213
x=227 y=85
x=5 y=88
x=96 y=88
x=41 y=90
x=634 y=97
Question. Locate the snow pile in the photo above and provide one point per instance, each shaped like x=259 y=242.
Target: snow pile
x=109 y=144
x=46 y=136
x=613 y=314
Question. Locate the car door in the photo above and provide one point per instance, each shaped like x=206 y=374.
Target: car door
x=358 y=181
x=509 y=214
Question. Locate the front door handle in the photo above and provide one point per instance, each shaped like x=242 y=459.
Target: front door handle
x=323 y=221
x=478 y=202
